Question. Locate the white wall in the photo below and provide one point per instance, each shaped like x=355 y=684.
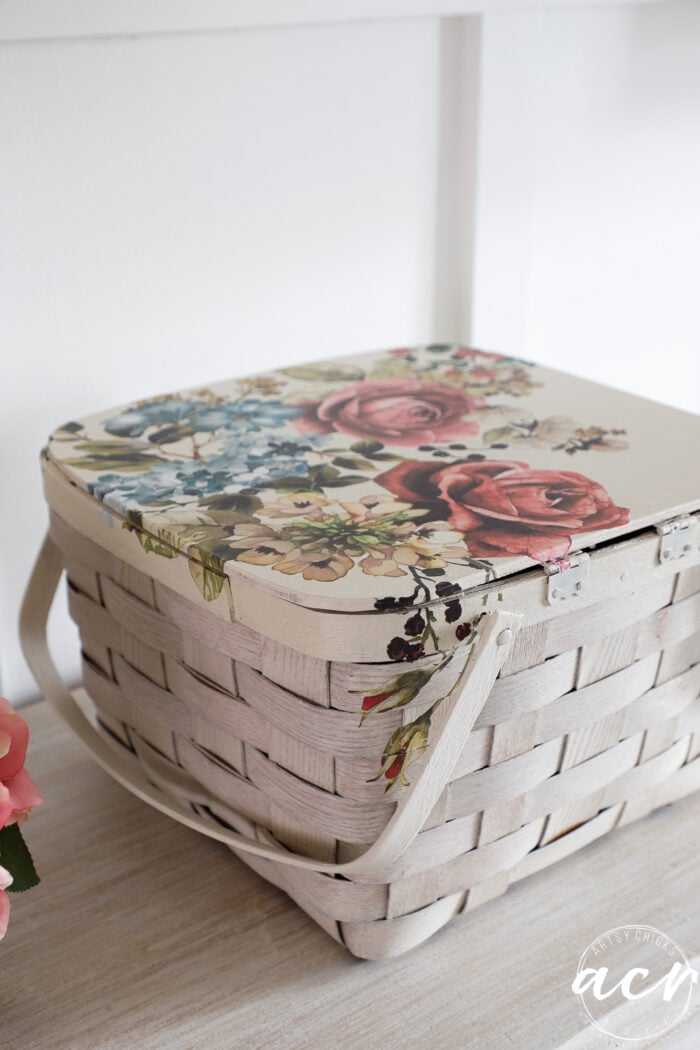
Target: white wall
x=588 y=219
x=180 y=208
x=177 y=209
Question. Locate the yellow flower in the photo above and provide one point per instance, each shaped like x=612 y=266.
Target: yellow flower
x=264 y=386
x=260 y=545
x=295 y=505
x=381 y=561
x=434 y=537
x=600 y=440
x=371 y=508
x=315 y=564
x=425 y=546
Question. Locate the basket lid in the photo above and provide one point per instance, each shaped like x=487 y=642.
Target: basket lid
x=391 y=476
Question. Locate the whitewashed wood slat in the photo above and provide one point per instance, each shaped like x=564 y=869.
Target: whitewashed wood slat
x=224 y=747
x=305 y=675
x=302 y=837
x=594 y=721
x=687 y=583
x=116 y=728
x=498 y=975
x=679 y=657
x=83 y=578
x=97 y=653
x=209 y=663
x=304 y=761
x=154 y=733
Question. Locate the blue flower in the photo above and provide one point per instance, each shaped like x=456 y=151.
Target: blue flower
x=157 y=487
x=240 y=455
x=134 y=421
x=201 y=416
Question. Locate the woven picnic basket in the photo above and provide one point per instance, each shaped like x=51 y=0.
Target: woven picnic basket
x=399 y=629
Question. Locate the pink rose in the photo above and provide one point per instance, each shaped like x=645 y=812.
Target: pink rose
x=17 y=797
x=505 y=508
x=14 y=737
x=395 y=411
x=18 y=793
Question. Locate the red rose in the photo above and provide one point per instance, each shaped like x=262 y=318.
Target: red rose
x=505 y=508
x=395 y=411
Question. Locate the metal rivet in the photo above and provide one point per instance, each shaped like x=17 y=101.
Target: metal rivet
x=624 y=576
x=556 y=592
x=504 y=637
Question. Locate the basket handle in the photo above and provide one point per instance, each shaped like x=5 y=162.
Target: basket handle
x=451 y=725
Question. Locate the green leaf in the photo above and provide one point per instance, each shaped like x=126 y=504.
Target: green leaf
x=132 y=519
x=210 y=583
x=230 y=517
x=344 y=479
x=353 y=463
x=15 y=856
x=500 y=435
x=167 y=435
x=129 y=463
x=107 y=448
x=291 y=484
x=154 y=546
x=322 y=475
x=242 y=502
x=367 y=447
x=210 y=553
x=323 y=472
x=120 y=456
x=325 y=373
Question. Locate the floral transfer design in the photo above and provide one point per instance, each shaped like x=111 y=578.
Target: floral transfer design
x=409 y=742
x=392 y=466
x=397 y=411
x=505 y=508
x=406 y=745
x=326 y=540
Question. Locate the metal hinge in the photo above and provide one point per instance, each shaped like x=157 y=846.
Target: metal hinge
x=678 y=537
x=566 y=577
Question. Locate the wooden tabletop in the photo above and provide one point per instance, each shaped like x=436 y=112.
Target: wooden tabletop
x=145 y=935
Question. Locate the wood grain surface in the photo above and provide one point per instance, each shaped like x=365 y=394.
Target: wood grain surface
x=144 y=935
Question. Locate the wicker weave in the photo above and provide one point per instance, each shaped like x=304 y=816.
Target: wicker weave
x=593 y=722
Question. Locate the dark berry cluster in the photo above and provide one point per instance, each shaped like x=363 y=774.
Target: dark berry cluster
x=402 y=649
x=390 y=604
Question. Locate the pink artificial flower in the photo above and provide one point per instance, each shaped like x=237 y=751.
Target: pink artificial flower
x=17 y=797
x=18 y=793
x=14 y=737
x=5 y=881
